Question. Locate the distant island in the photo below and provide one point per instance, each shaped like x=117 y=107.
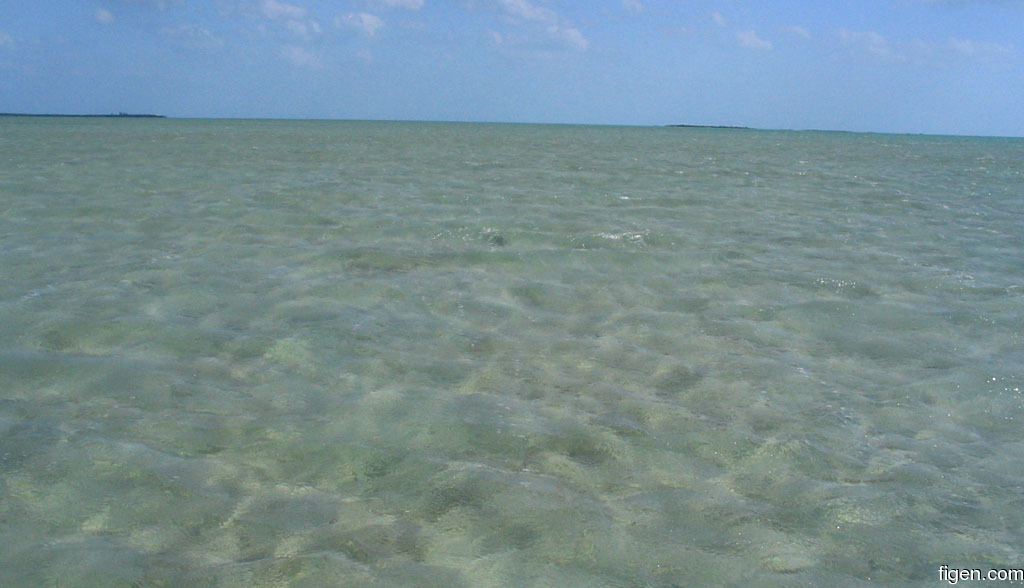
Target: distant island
x=706 y=127
x=118 y=115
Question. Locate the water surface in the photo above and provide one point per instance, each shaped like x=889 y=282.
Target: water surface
x=270 y=353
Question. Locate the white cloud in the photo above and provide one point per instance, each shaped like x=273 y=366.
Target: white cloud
x=633 y=5
x=300 y=57
x=976 y=49
x=303 y=29
x=193 y=36
x=362 y=21
x=496 y=37
x=964 y=46
x=104 y=16
x=293 y=16
x=869 y=41
x=798 y=31
x=750 y=40
x=275 y=9
x=526 y=11
x=573 y=37
x=719 y=19
x=409 y=4
x=159 y=4
x=549 y=19
x=298 y=27
x=921 y=52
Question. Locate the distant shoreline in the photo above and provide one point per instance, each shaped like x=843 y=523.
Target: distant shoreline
x=118 y=115
x=707 y=127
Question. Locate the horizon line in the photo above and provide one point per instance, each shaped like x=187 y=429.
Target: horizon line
x=449 y=121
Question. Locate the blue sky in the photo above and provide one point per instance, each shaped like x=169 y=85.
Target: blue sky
x=915 y=66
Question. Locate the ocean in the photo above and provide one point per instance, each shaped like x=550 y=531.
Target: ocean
x=251 y=353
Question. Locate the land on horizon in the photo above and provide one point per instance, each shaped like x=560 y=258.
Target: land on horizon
x=664 y=125
x=118 y=115
x=131 y=115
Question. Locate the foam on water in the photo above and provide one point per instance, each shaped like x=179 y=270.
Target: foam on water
x=255 y=353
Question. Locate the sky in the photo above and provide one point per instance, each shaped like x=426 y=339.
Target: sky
x=900 y=66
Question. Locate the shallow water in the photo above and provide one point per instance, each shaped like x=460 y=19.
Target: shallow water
x=268 y=353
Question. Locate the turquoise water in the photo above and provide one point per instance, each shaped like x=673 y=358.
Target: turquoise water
x=269 y=353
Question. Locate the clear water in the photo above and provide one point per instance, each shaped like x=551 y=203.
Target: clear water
x=245 y=353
